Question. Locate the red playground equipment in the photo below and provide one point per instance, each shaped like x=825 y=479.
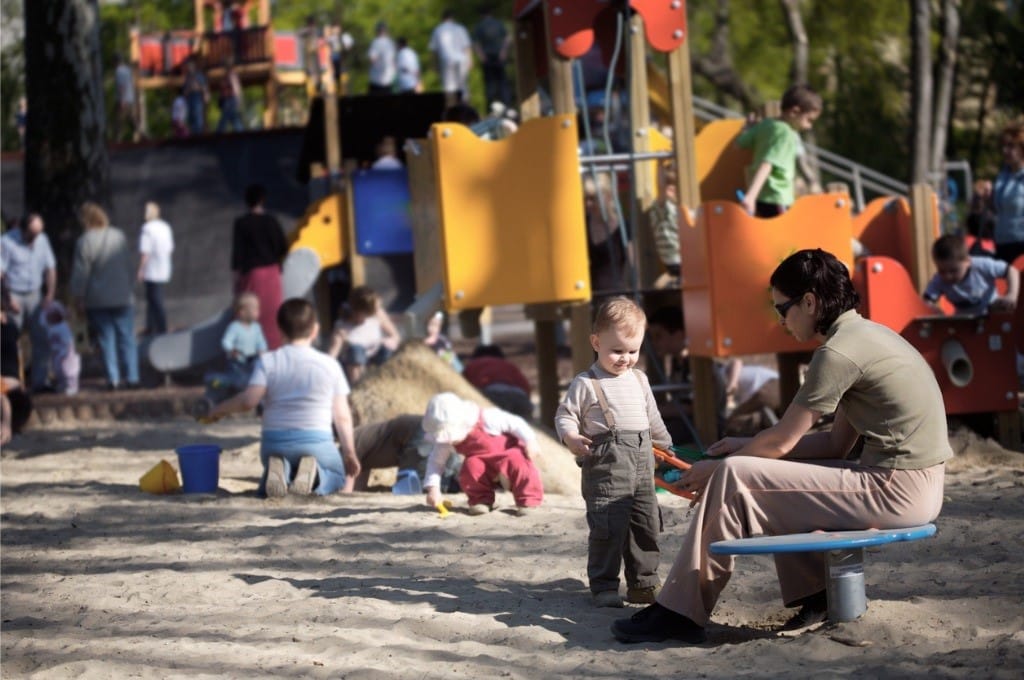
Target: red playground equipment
x=240 y=31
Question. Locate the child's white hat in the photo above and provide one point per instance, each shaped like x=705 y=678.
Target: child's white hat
x=449 y=419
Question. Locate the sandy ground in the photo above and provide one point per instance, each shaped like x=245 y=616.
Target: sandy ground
x=102 y=580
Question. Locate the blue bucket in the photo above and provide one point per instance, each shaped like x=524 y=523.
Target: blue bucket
x=200 y=467
x=408 y=483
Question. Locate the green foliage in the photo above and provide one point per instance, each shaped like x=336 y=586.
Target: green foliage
x=859 y=62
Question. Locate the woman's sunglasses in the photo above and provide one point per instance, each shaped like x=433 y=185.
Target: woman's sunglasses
x=784 y=307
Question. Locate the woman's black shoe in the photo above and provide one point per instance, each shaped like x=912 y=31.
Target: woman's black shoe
x=813 y=609
x=657 y=624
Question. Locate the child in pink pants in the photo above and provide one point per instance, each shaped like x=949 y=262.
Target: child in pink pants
x=497 y=447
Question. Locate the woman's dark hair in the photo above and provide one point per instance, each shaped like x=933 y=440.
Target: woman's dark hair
x=816 y=271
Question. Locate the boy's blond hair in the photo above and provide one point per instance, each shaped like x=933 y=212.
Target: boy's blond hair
x=621 y=313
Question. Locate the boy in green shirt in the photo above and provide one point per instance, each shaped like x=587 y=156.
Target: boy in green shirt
x=776 y=145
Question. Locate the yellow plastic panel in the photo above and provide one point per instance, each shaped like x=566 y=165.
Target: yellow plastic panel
x=731 y=313
x=512 y=228
x=321 y=230
x=721 y=165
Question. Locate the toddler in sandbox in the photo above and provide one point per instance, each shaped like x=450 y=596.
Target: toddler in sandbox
x=497 y=448
x=243 y=341
x=65 y=364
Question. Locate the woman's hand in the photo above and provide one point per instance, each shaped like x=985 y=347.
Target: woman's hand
x=726 y=446
x=696 y=478
x=530 y=450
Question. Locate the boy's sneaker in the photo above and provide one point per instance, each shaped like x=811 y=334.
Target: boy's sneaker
x=277 y=483
x=642 y=595
x=523 y=510
x=608 y=598
x=479 y=509
x=305 y=477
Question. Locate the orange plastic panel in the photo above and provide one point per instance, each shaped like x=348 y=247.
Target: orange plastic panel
x=988 y=344
x=512 y=226
x=321 y=229
x=878 y=228
x=664 y=22
x=727 y=301
x=887 y=295
x=573 y=24
x=721 y=165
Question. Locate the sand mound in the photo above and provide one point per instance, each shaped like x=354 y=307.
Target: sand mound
x=973 y=451
x=415 y=374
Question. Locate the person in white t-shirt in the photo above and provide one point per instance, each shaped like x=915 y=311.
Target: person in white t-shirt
x=156 y=244
x=382 y=61
x=407 y=64
x=303 y=392
x=451 y=44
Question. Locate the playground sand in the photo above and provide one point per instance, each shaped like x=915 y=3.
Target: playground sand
x=101 y=580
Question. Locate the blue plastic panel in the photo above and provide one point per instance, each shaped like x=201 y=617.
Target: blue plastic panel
x=382 y=212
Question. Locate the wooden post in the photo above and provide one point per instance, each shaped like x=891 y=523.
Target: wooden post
x=356 y=264
x=922 y=203
x=645 y=253
x=200 y=17
x=270 y=113
x=560 y=82
x=680 y=85
x=526 y=71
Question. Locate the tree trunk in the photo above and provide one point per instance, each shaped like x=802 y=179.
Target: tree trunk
x=717 y=67
x=66 y=160
x=921 y=89
x=946 y=71
x=807 y=163
x=798 y=36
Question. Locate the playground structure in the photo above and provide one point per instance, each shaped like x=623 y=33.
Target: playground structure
x=480 y=241
x=241 y=32
x=493 y=223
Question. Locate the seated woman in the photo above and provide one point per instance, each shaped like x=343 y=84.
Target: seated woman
x=303 y=393
x=364 y=334
x=786 y=480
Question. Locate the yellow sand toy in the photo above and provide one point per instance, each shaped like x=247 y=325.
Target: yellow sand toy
x=161 y=478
